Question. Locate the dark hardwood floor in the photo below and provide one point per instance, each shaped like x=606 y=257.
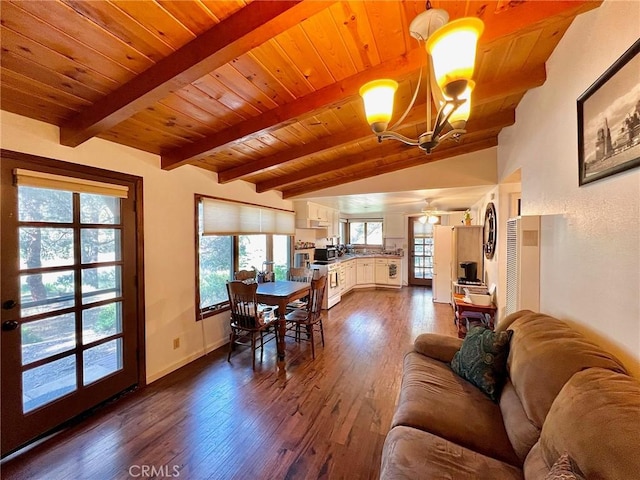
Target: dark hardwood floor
x=216 y=420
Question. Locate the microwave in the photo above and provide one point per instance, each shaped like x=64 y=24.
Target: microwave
x=325 y=254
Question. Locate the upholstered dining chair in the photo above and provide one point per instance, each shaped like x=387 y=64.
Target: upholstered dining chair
x=311 y=316
x=245 y=275
x=247 y=321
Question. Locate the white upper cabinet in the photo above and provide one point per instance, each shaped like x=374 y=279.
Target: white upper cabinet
x=312 y=215
x=394 y=226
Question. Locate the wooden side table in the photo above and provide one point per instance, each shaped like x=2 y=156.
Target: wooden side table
x=461 y=320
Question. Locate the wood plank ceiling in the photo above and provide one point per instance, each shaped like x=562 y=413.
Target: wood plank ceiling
x=265 y=92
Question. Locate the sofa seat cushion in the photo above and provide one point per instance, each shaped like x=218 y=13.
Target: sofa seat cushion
x=414 y=454
x=436 y=400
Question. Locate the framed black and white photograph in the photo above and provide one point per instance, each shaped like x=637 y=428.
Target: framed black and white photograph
x=609 y=120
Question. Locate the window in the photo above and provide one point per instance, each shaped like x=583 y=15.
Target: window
x=220 y=255
x=365 y=232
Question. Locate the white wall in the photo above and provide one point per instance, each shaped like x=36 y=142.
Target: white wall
x=169 y=250
x=590 y=254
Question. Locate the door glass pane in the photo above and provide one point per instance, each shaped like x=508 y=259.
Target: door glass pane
x=44 y=205
x=101 y=209
x=44 y=338
x=419 y=249
x=46 y=292
x=100 y=245
x=101 y=283
x=100 y=322
x=102 y=360
x=45 y=247
x=216 y=268
x=48 y=382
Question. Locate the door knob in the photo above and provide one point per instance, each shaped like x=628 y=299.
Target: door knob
x=9 y=304
x=9 y=325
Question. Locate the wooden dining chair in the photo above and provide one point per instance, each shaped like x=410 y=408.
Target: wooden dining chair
x=311 y=316
x=300 y=274
x=245 y=275
x=247 y=321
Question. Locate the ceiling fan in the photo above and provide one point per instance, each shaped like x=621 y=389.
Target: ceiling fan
x=430 y=214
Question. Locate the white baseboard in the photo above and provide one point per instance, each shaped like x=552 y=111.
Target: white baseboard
x=184 y=361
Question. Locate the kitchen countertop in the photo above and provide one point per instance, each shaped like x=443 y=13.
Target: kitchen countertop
x=347 y=257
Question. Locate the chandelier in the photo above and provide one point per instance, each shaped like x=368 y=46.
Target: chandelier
x=452 y=49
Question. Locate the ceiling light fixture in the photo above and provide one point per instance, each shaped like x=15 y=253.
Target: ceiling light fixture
x=452 y=48
x=429 y=214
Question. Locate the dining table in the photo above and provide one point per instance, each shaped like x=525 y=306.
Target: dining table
x=279 y=294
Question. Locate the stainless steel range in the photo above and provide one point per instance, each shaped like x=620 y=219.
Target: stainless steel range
x=332 y=291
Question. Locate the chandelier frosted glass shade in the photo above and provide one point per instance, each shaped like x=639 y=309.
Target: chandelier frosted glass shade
x=378 y=102
x=460 y=115
x=453 y=52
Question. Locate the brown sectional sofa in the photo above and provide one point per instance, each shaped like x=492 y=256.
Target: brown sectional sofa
x=563 y=394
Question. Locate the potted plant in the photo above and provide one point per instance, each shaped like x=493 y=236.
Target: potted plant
x=466 y=217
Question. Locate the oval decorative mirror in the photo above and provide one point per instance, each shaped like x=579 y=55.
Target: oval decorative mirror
x=490 y=228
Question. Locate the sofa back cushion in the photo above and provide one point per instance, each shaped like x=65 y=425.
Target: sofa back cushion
x=545 y=353
x=596 y=420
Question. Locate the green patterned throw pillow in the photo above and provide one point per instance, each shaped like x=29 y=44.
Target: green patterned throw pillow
x=482 y=359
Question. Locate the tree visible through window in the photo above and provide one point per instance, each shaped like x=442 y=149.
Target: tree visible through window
x=365 y=233
x=219 y=256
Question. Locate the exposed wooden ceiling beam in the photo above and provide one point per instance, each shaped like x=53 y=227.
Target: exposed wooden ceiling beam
x=527 y=16
x=241 y=32
x=496 y=121
x=411 y=161
x=484 y=94
x=331 y=95
x=515 y=19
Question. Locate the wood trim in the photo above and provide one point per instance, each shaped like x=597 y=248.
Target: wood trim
x=241 y=32
x=141 y=286
x=222 y=199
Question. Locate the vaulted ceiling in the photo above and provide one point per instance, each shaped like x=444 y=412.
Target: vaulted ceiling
x=262 y=91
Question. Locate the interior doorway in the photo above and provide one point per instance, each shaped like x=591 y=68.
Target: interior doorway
x=72 y=303
x=420 y=252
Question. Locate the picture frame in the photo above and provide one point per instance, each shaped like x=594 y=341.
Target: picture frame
x=609 y=120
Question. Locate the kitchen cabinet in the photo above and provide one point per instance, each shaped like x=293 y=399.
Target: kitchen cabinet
x=342 y=278
x=312 y=215
x=382 y=271
x=395 y=272
x=350 y=274
x=365 y=271
x=334 y=223
x=393 y=226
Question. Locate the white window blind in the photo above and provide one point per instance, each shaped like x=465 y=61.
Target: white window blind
x=30 y=178
x=222 y=217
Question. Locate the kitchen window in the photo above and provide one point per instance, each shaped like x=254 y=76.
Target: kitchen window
x=218 y=256
x=367 y=232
